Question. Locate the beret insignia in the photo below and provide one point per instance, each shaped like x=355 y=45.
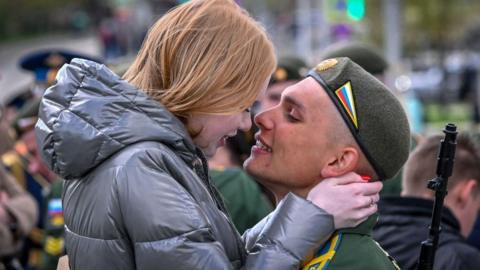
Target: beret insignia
x=326 y=64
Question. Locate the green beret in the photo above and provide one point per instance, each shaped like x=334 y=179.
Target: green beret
x=373 y=114
x=289 y=68
x=364 y=55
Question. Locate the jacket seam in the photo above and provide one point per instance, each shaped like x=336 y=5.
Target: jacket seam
x=90 y=237
x=180 y=236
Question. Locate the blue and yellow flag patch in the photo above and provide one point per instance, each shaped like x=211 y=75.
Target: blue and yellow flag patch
x=325 y=255
x=345 y=96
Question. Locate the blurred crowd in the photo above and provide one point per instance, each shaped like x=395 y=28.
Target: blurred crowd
x=31 y=216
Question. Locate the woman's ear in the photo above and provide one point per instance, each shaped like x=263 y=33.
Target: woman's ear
x=345 y=161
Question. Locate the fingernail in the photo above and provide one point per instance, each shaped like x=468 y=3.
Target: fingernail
x=366 y=178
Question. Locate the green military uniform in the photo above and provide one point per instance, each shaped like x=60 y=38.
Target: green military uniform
x=346 y=246
x=379 y=125
x=352 y=248
x=53 y=243
x=243 y=197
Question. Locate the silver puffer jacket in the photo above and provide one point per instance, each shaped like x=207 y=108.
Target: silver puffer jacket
x=137 y=193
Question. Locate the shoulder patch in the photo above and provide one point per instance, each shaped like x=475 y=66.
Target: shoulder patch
x=325 y=254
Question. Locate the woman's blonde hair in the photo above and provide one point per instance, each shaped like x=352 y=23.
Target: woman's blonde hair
x=205 y=56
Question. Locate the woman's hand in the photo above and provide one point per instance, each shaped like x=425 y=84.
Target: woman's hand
x=348 y=198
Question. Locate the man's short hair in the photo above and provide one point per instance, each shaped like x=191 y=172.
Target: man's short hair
x=422 y=164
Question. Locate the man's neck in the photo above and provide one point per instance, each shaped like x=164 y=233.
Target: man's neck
x=280 y=193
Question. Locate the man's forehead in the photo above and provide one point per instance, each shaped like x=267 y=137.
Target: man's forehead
x=307 y=92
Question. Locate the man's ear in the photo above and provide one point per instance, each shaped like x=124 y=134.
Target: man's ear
x=465 y=192
x=346 y=160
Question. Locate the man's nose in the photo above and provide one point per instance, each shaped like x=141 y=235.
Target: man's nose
x=263 y=119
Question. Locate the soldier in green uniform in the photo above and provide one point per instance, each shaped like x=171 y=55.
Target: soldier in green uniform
x=45 y=242
x=338 y=120
x=290 y=70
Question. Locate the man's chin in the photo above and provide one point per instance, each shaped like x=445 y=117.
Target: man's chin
x=252 y=167
x=247 y=164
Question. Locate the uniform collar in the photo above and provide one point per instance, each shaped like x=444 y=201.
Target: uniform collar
x=364 y=228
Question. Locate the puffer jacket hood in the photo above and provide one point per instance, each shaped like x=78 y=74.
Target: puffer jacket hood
x=91 y=113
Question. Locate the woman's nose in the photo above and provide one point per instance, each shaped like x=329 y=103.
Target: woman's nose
x=246 y=123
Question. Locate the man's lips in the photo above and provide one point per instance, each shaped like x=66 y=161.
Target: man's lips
x=262 y=145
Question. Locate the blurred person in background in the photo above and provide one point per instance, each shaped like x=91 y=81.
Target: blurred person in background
x=474 y=237
x=290 y=70
x=18 y=210
x=18 y=214
x=243 y=197
x=365 y=55
x=52 y=244
x=45 y=243
x=338 y=120
x=404 y=221
x=469 y=87
x=132 y=151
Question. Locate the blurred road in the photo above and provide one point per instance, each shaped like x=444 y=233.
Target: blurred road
x=13 y=79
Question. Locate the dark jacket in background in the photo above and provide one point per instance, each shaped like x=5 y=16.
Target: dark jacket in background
x=474 y=237
x=403 y=225
x=137 y=193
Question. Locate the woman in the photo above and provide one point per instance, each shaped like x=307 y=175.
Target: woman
x=137 y=193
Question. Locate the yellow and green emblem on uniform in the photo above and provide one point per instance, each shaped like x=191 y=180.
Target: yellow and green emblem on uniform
x=325 y=255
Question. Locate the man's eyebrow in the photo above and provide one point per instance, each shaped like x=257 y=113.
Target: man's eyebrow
x=293 y=101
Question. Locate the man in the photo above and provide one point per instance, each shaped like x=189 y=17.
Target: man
x=404 y=220
x=289 y=71
x=363 y=54
x=339 y=119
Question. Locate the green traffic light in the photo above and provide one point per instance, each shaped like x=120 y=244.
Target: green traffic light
x=356 y=9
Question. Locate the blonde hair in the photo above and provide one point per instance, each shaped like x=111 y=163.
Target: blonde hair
x=205 y=56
